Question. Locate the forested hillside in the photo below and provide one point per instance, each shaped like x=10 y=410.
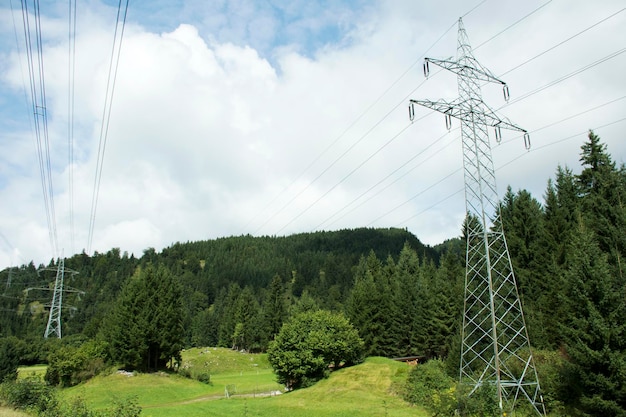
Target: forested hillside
x=403 y=297
x=213 y=275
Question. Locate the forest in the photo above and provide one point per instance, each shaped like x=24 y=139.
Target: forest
x=403 y=297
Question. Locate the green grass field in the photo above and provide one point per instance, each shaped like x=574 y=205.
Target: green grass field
x=9 y=412
x=36 y=370
x=363 y=390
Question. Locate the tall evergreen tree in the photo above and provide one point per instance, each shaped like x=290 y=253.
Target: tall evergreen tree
x=362 y=306
x=246 y=334
x=145 y=327
x=603 y=191
x=594 y=330
x=227 y=317
x=274 y=308
x=408 y=325
x=523 y=220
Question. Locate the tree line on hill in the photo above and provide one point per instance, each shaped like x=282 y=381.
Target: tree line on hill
x=403 y=297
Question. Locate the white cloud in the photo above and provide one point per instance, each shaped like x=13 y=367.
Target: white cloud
x=212 y=137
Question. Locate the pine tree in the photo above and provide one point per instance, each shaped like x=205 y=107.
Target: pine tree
x=274 y=308
x=145 y=328
x=227 y=318
x=523 y=220
x=363 y=304
x=594 y=330
x=246 y=334
x=603 y=190
x=409 y=323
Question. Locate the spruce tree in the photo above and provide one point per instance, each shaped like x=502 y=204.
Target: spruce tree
x=362 y=306
x=274 y=308
x=603 y=191
x=145 y=327
x=594 y=330
x=409 y=327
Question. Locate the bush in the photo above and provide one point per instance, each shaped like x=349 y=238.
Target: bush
x=428 y=385
x=482 y=403
x=70 y=365
x=9 y=359
x=30 y=394
x=309 y=344
x=204 y=377
x=128 y=407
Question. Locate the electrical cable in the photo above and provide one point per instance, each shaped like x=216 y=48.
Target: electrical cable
x=565 y=77
x=106 y=116
x=512 y=24
x=39 y=109
x=343 y=133
x=562 y=42
x=394 y=137
x=404 y=99
x=376 y=101
x=384 y=179
x=577 y=135
x=71 y=70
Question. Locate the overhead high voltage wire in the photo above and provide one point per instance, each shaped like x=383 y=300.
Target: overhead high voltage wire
x=290 y=201
x=610 y=56
x=534 y=149
x=562 y=42
x=106 y=115
x=359 y=140
x=376 y=101
x=513 y=24
x=565 y=77
x=574 y=136
x=71 y=72
x=394 y=137
x=436 y=141
x=38 y=100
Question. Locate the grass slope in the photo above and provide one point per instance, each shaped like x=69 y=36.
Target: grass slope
x=9 y=412
x=363 y=390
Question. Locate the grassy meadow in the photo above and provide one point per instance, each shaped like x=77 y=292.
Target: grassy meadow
x=363 y=390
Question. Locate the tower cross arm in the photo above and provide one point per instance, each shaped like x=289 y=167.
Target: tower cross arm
x=460 y=110
x=476 y=71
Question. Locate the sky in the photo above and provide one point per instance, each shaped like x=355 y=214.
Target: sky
x=278 y=117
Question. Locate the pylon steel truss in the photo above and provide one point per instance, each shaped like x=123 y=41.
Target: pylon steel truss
x=54 y=318
x=495 y=346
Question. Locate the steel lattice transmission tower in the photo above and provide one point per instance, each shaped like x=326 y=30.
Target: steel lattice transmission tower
x=54 y=318
x=495 y=347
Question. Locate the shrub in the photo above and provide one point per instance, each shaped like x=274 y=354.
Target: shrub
x=9 y=359
x=482 y=402
x=129 y=407
x=70 y=365
x=428 y=385
x=30 y=394
x=204 y=377
x=309 y=344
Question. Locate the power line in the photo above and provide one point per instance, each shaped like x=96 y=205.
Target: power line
x=534 y=149
x=510 y=102
x=513 y=24
x=106 y=115
x=376 y=101
x=403 y=100
x=562 y=42
x=38 y=101
x=394 y=137
x=71 y=73
x=384 y=179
